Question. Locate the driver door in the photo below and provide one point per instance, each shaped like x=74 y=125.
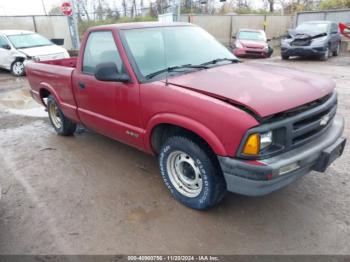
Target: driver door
x=109 y=107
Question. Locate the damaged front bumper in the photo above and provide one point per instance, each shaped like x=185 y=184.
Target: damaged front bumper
x=272 y=174
x=303 y=51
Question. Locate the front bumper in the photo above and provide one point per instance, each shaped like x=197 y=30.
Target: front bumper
x=303 y=50
x=249 y=52
x=309 y=157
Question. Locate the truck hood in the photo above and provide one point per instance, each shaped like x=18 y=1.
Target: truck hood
x=263 y=89
x=43 y=50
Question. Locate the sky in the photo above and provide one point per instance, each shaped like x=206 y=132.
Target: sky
x=26 y=7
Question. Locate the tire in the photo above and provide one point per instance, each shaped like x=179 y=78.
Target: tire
x=325 y=56
x=270 y=52
x=285 y=57
x=62 y=125
x=191 y=172
x=336 y=52
x=17 y=68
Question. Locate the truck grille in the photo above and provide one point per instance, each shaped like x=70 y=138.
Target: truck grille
x=252 y=52
x=298 y=126
x=313 y=123
x=301 y=42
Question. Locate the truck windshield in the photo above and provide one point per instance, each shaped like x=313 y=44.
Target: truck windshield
x=155 y=49
x=251 y=35
x=28 y=40
x=313 y=27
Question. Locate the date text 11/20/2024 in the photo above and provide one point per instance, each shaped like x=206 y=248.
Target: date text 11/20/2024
x=173 y=258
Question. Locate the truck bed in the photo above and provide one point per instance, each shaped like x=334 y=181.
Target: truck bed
x=66 y=62
x=54 y=76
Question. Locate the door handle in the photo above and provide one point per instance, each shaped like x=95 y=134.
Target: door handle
x=81 y=85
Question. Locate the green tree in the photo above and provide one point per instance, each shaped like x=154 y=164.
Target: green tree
x=334 y=4
x=56 y=10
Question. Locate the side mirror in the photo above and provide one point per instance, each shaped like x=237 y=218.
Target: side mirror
x=234 y=37
x=269 y=39
x=6 y=46
x=57 y=41
x=109 y=72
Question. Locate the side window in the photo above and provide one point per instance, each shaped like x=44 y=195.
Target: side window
x=100 y=48
x=2 y=41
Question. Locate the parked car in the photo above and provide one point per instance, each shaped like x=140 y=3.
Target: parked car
x=17 y=46
x=215 y=124
x=253 y=43
x=315 y=38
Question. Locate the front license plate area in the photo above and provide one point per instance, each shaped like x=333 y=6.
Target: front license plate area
x=329 y=155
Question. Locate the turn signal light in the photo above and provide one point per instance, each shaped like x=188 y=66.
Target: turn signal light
x=252 y=146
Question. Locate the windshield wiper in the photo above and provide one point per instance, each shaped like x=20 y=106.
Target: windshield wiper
x=173 y=68
x=215 y=61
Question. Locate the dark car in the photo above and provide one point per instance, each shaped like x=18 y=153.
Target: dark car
x=252 y=43
x=315 y=38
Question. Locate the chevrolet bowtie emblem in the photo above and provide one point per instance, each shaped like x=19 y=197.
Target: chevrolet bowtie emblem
x=324 y=120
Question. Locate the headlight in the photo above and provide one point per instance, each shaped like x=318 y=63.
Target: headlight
x=319 y=40
x=284 y=42
x=265 y=140
x=257 y=142
x=35 y=59
x=238 y=44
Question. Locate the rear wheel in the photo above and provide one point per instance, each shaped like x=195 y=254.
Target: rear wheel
x=17 y=68
x=63 y=126
x=191 y=172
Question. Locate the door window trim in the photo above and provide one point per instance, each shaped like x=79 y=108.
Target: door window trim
x=85 y=45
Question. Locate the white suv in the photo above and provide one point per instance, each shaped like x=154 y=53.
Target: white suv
x=16 y=46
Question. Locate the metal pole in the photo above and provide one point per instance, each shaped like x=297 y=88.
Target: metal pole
x=42 y=2
x=73 y=26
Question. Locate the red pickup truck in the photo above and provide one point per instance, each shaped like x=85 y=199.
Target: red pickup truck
x=216 y=124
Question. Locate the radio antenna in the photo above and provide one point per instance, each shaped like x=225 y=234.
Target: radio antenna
x=165 y=57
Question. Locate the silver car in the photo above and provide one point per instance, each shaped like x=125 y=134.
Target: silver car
x=314 y=38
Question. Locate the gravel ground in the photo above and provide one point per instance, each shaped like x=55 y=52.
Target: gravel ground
x=88 y=194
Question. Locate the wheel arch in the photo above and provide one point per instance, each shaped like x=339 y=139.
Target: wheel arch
x=165 y=125
x=45 y=91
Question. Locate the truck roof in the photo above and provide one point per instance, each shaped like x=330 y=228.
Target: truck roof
x=136 y=25
x=318 y=22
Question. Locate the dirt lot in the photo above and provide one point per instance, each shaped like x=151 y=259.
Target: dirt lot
x=88 y=194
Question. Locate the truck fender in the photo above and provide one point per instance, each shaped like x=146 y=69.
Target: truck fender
x=187 y=123
x=52 y=92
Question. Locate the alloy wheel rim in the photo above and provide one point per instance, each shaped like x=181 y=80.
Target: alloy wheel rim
x=184 y=174
x=55 y=115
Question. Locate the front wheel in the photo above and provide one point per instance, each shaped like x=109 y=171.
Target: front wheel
x=285 y=57
x=17 y=68
x=191 y=172
x=325 y=56
x=337 y=50
x=63 y=126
